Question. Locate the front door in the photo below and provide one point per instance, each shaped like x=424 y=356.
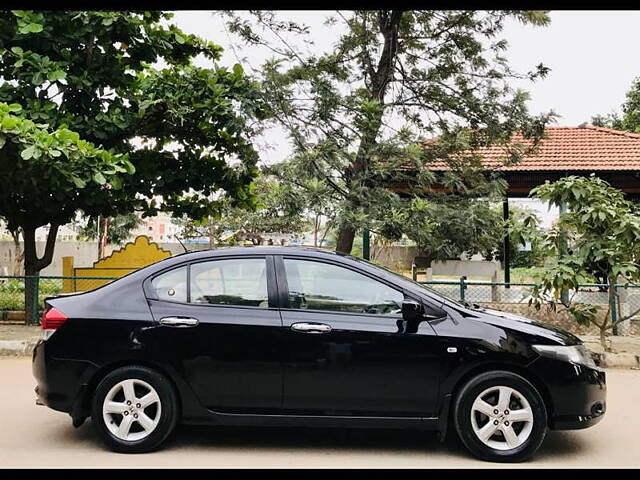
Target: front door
x=220 y=328
x=347 y=349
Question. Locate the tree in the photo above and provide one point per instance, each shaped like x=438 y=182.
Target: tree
x=45 y=176
x=603 y=231
x=17 y=249
x=358 y=114
x=118 y=231
x=312 y=196
x=450 y=227
x=278 y=209
x=186 y=129
x=630 y=119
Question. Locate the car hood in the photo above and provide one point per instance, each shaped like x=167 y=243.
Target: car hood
x=527 y=325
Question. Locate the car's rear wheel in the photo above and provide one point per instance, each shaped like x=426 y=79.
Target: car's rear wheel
x=134 y=409
x=500 y=416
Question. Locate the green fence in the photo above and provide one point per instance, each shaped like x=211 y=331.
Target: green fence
x=12 y=291
x=625 y=302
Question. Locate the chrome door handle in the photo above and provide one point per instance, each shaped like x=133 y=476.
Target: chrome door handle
x=311 y=327
x=179 y=321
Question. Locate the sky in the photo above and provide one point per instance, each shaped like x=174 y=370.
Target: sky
x=586 y=51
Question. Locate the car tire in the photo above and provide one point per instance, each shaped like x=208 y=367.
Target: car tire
x=134 y=409
x=486 y=430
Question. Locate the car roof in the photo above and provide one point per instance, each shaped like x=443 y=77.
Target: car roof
x=260 y=250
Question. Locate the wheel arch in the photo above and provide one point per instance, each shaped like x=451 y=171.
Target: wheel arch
x=509 y=367
x=83 y=407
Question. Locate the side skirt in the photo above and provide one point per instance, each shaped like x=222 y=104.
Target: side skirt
x=216 y=418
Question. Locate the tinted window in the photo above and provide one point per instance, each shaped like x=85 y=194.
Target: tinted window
x=322 y=286
x=230 y=282
x=171 y=285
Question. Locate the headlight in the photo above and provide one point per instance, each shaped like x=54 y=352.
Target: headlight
x=577 y=354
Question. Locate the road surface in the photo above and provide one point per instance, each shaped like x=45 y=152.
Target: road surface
x=35 y=436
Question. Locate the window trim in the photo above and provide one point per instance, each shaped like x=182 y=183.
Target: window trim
x=272 y=296
x=284 y=291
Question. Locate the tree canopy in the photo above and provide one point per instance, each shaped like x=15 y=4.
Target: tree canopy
x=358 y=114
x=279 y=209
x=46 y=175
x=629 y=120
x=603 y=231
x=185 y=131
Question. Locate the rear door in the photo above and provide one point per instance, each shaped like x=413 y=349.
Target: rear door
x=347 y=349
x=220 y=326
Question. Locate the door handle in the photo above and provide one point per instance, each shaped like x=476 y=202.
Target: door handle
x=311 y=327
x=179 y=321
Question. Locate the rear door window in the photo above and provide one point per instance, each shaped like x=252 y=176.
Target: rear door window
x=171 y=285
x=241 y=281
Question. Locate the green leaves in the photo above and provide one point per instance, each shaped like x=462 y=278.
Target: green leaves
x=51 y=171
x=28 y=152
x=433 y=79
x=98 y=177
x=601 y=231
x=87 y=75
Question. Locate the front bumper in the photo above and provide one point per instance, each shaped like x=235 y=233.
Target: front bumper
x=578 y=394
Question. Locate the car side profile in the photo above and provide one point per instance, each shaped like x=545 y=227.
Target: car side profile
x=278 y=336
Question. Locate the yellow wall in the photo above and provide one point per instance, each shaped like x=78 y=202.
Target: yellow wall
x=134 y=255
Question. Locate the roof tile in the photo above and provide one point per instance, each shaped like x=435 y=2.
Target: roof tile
x=569 y=148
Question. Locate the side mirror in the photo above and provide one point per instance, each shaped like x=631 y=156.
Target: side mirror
x=411 y=310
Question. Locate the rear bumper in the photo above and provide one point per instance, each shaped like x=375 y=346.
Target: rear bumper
x=578 y=393
x=60 y=383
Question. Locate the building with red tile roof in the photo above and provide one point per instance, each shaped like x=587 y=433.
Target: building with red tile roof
x=613 y=155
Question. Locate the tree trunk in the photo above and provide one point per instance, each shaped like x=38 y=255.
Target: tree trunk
x=389 y=23
x=316 y=226
x=32 y=267
x=346 y=234
x=18 y=252
x=603 y=338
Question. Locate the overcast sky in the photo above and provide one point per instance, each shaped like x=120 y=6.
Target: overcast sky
x=587 y=51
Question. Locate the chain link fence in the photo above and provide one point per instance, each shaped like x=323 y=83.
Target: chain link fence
x=512 y=297
x=515 y=297
x=13 y=296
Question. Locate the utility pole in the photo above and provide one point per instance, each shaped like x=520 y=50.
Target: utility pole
x=366 y=245
x=505 y=244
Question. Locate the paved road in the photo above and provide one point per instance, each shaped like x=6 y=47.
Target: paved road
x=33 y=436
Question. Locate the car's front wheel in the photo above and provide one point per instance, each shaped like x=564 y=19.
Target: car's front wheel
x=134 y=409
x=500 y=416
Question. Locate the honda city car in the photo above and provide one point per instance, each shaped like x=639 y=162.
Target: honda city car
x=281 y=336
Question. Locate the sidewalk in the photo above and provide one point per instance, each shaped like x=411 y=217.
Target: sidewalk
x=20 y=340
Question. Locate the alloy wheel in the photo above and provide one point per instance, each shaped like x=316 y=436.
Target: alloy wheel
x=501 y=417
x=131 y=409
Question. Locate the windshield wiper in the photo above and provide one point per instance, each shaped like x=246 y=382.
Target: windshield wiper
x=473 y=306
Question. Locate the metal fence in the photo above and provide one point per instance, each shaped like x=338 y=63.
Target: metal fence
x=13 y=296
x=625 y=302
x=12 y=292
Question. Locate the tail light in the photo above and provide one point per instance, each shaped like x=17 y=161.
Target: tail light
x=52 y=319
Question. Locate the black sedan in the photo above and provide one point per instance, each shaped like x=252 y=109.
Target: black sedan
x=286 y=336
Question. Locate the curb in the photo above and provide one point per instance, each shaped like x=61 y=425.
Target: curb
x=618 y=360
x=17 y=347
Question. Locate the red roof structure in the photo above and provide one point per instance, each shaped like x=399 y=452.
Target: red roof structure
x=613 y=155
x=583 y=148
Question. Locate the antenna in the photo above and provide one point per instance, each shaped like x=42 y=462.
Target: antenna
x=180 y=242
